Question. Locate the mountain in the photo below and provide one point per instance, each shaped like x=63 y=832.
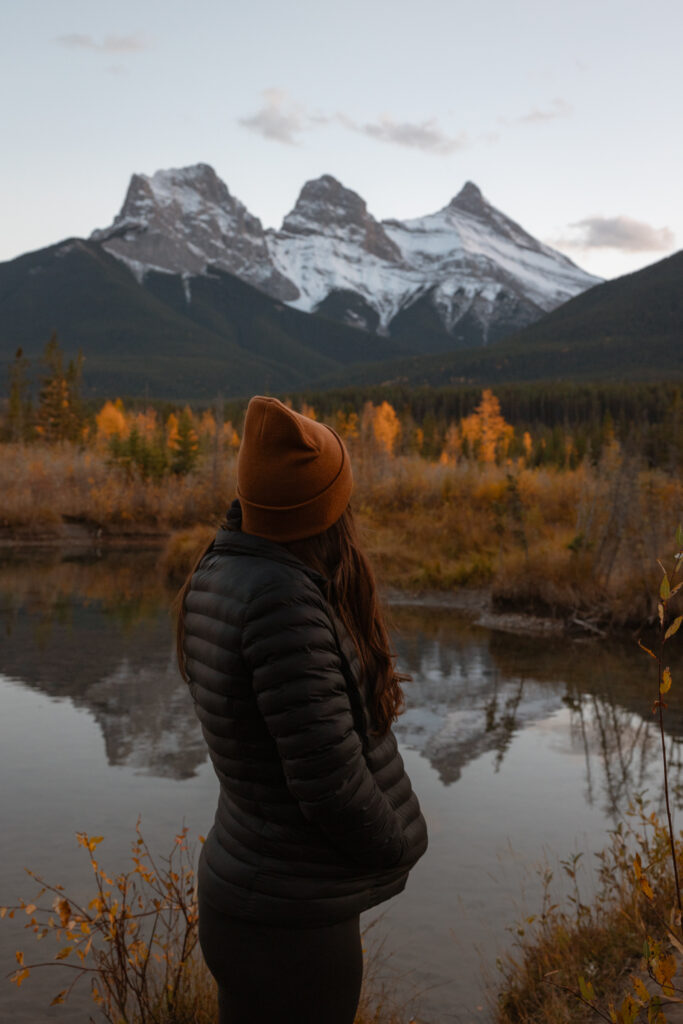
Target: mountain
x=465 y=275
x=630 y=328
x=173 y=337
x=182 y=221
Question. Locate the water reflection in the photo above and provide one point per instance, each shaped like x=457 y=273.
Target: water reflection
x=473 y=689
x=98 y=633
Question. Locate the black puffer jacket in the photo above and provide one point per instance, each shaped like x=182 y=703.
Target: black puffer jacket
x=316 y=819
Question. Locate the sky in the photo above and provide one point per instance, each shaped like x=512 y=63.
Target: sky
x=566 y=113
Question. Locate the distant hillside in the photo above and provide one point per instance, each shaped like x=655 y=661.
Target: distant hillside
x=630 y=328
x=151 y=339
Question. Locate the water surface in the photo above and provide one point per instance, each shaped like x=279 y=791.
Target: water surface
x=520 y=749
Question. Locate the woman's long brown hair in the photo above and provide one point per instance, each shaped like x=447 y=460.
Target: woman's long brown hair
x=338 y=555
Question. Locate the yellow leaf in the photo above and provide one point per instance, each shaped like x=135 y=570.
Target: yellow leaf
x=637 y=865
x=665 y=589
x=63 y=953
x=674 y=627
x=29 y=908
x=665 y=684
x=3 y=911
x=59 y=998
x=640 y=989
x=20 y=957
x=647 y=889
x=93 y=842
x=20 y=976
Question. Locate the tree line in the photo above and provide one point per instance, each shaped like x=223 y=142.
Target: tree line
x=556 y=423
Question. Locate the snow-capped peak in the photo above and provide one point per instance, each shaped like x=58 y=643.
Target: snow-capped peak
x=470 y=199
x=481 y=273
x=183 y=220
x=326 y=207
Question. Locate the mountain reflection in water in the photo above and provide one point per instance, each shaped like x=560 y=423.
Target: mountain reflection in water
x=473 y=689
x=517 y=746
x=98 y=632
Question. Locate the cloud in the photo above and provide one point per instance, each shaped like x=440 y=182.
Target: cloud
x=279 y=118
x=109 y=44
x=283 y=120
x=622 y=233
x=424 y=135
x=558 y=108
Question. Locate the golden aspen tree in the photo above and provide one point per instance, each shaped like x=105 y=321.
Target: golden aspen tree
x=386 y=427
x=486 y=432
x=111 y=421
x=171 y=430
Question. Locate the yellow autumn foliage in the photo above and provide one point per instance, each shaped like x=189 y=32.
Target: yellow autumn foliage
x=386 y=426
x=111 y=420
x=486 y=431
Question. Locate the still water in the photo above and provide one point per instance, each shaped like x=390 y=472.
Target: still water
x=522 y=751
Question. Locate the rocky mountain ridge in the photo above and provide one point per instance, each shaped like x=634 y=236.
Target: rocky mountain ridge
x=468 y=269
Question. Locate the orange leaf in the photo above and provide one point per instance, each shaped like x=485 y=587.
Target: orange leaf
x=20 y=976
x=20 y=957
x=647 y=650
x=59 y=998
x=63 y=909
x=63 y=953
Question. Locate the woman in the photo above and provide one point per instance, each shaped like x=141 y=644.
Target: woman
x=283 y=645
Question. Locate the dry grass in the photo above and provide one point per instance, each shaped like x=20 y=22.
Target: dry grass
x=42 y=484
x=572 y=543
x=601 y=941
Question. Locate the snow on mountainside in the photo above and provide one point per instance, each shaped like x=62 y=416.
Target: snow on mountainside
x=182 y=220
x=480 y=273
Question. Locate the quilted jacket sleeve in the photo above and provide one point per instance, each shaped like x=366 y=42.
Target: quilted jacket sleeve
x=289 y=644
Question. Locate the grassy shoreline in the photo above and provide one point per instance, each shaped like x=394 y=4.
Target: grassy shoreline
x=577 y=545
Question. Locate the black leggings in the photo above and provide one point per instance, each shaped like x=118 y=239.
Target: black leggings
x=281 y=975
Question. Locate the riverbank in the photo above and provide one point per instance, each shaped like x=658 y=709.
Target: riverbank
x=614 y=956
x=577 y=546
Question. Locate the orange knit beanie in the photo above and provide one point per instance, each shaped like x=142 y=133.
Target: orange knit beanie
x=293 y=473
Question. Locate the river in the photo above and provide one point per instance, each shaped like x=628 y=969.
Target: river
x=523 y=750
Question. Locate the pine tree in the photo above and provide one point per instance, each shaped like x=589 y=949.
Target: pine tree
x=185 y=444
x=53 y=400
x=60 y=414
